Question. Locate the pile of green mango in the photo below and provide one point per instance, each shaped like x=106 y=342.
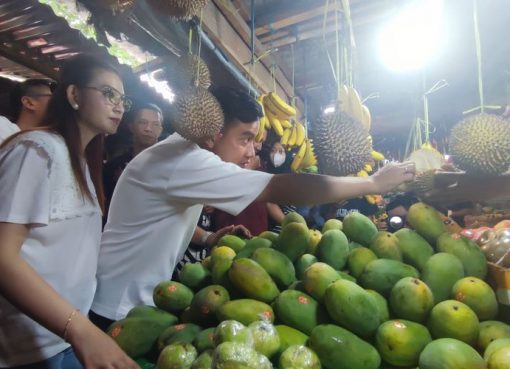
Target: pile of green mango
x=344 y=297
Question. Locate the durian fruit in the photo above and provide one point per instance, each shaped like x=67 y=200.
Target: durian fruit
x=198 y=115
x=426 y=158
x=481 y=144
x=179 y=9
x=341 y=143
x=190 y=71
x=423 y=183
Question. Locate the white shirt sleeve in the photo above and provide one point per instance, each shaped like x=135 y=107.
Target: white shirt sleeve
x=203 y=178
x=7 y=128
x=24 y=184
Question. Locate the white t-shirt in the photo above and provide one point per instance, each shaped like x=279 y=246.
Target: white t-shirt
x=7 y=128
x=37 y=187
x=153 y=213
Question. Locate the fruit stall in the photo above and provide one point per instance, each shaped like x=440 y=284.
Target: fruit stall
x=345 y=295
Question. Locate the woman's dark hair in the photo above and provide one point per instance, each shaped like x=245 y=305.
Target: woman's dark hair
x=237 y=104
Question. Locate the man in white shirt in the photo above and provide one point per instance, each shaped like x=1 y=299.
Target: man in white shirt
x=29 y=101
x=7 y=128
x=161 y=193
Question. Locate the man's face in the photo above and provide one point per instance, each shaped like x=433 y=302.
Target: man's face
x=146 y=127
x=36 y=101
x=236 y=144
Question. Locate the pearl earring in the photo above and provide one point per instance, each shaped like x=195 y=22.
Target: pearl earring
x=75 y=106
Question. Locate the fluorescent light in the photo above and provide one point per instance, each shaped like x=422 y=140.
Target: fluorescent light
x=12 y=77
x=329 y=110
x=413 y=37
x=161 y=87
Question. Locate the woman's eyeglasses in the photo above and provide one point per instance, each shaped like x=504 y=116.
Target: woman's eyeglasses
x=113 y=96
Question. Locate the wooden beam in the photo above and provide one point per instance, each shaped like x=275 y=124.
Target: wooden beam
x=284 y=9
x=42 y=64
x=242 y=8
x=228 y=29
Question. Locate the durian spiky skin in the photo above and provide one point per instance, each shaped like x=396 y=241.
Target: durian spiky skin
x=423 y=183
x=184 y=74
x=341 y=143
x=481 y=144
x=199 y=115
x=179 y=9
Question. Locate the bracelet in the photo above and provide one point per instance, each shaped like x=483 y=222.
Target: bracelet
x=68 y=323
x=205 y=237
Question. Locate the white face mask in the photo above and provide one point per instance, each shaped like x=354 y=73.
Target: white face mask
x=278 y=159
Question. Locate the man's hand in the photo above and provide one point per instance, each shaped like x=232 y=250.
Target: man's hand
x=392 y=175
x=238 y=230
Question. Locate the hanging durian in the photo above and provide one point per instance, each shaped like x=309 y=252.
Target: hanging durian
x=191 y=70
x=341 y=143
x=481 y=144
x=180 y=9
x=198 y=115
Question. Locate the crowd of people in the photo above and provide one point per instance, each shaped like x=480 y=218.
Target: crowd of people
x=63 y=275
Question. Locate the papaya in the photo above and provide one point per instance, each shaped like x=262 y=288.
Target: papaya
x=468 y=252
x=381 y=304
x=204 y=340
x=172 y=296
x=299 y=357
x=359 y=228
x=382 y=274
x=269 y=235
x=205 y=303
x=136 y=335
x=293 y=240
x=252 y=280
x=386 y=246
x=234 y=242
x=411 y=299
x=277 y=265
x=151 y=312
x=500 y=359
x=427 y=221
x=449 y=353
x=333 y=249
x=195 y=276
x=177 y=356
x=332 y=223
x=338 y=348
x=478 y=295
x=352 y=307
x=400 y=342
x=415 y=249
x=440 y=273
x=203 y=361
x=252 y=245
x=289 y=337
x=358 y=259
x=299 y=310
x=317 y=278
x=184 y=333
x=313 y=241
x=303 y=263
x=491 y=330
x=245 y=311
x=495 y=345
x=453 y=319
x=293 y=217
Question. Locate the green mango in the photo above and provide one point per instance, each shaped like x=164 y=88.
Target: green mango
x=495 y=345
x=381 y=304
x=293 y=240
x=453 y=319
x=277 y=265
x=333 y=249
x=245 y=311
x=386 y=246
x=491 y=330
x=303 y=263
x=252 y=280
x=205 y=303
x=234 y=242
x=449 y=353
x=204 y=340
x=359 y=228
x=347 y=276
x=203 y=361
x=234 y=355
x=400 y=342
x=184 y=333
x=266 y=340
x=427 y=221
x=352 y=307
x=252 y=245
x=440 y=273
x=478 y=295
x=293 y=217
x=268 y=235
x=382 y=274
x=172 y=296
x=299 y=357
x=500 y=358
x=289 y=337
x=338 y=348
x=332 y=224
x=195 y=276
x=415 y=249
x=299 y=310
x=152 y=312
x=317 y=278
x=411 y=299
x=177 y=356
x=358 y=259
x=468 y=252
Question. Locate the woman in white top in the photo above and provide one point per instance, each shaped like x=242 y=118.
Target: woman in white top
x=51 y=198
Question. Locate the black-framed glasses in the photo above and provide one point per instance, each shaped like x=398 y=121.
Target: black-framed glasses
x=38 y=95
x=113 y=96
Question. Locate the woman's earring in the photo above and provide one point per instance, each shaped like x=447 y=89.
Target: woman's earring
x=75 y=106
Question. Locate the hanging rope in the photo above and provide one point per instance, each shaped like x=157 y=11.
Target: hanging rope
x=436 y=87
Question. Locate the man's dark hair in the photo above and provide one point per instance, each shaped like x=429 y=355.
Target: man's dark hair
x=140 y=106
x=401 y=200
x=26 y=88
x=237 y=104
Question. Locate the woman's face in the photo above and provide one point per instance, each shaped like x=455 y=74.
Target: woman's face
x=101 y=102
x=277 y=154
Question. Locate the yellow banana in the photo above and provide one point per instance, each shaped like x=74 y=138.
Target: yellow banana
x=286 y=123
x=276 y=125
x=354 y=107
x=285 y=137
x=301 y=134
x=366 y=120
x=367 y=168
x=262 y=128
x=377 y=155
x=296 y=162
x=293 y=137
x=309 y=159
x=273 y=109
x=281 y=105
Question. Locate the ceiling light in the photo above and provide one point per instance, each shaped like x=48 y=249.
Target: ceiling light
x=13 y=77
x=329 y=110
x=161 y=87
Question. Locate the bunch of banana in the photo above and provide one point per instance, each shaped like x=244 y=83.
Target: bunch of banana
x=293 y=136
x=263 y=122
x=351 y=104
x=278 y=113
x=305 y=157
